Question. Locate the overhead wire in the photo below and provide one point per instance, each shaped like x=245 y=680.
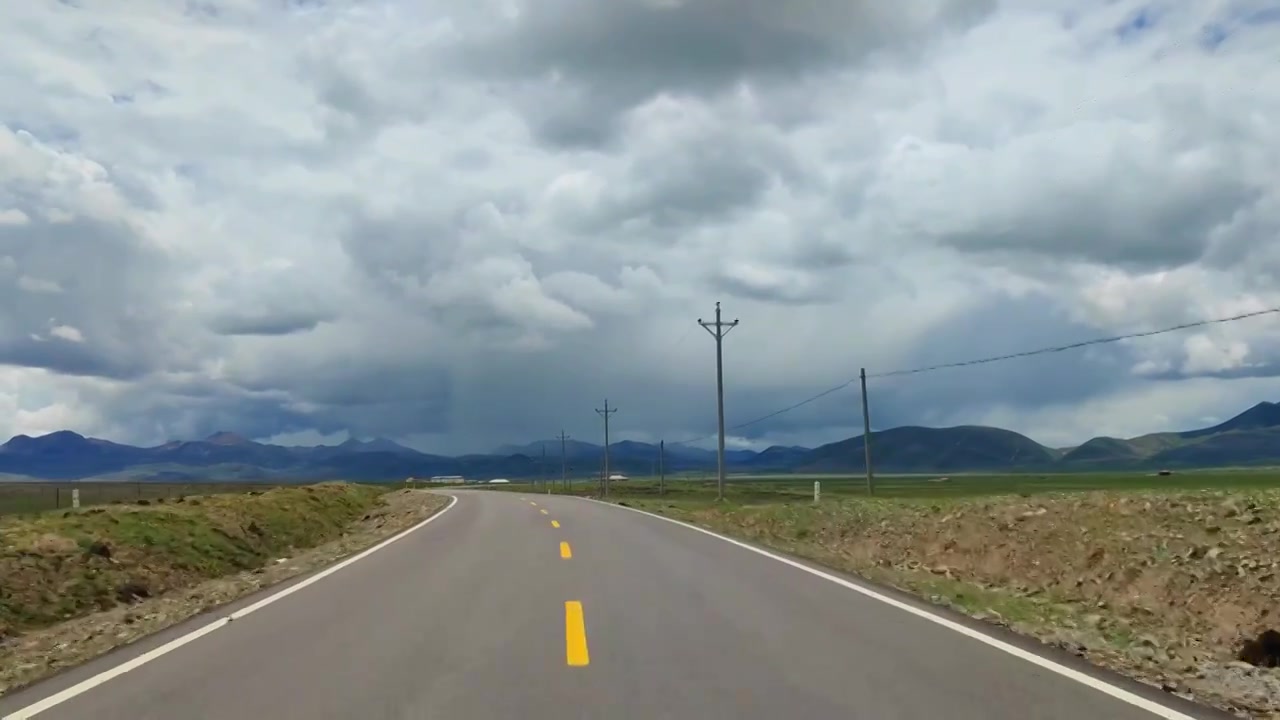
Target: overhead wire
x=992 y=359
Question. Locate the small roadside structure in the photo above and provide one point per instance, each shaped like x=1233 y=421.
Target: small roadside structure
x=499 y=481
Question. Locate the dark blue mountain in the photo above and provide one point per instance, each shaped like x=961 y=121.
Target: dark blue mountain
x=1251 y=438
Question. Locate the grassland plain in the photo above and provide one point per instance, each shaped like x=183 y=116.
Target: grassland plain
x=79 y=583
x=1163 y=578
x=754 y=489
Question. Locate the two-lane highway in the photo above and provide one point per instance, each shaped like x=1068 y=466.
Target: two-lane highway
x=541 y=607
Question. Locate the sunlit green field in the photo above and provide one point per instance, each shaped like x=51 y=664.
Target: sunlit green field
x=767 y=488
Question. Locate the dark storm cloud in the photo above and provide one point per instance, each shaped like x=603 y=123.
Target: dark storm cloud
x=999 y=325
x=616 y=54
x=192 y=416
x=339 y=220
x=95 y=277
x=1116 y=195
x=251 y=323
x=269 y=301
x=1022 y=384
x=782 y=288
x=402 y=245
x=1163 y=233
x=698 y=44
x=325 y=395
x=686 y=173
x=68 y=358
x=1266 y=369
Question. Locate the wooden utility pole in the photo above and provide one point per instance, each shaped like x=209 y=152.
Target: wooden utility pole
x=866 y=433
x=605 y=413
x=718 y=330
x=564 y=475
x=662 y=467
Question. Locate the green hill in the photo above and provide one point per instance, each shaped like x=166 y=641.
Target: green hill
x=921 y=449
x=1250 y=438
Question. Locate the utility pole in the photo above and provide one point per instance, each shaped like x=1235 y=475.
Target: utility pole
x=542 y=466
x=718 y=330
x=564 y=482
x=866 y=433
x=605 y=413
x=662 y=467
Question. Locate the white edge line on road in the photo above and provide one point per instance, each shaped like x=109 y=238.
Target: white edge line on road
x=89 y=683
x=1083 y=678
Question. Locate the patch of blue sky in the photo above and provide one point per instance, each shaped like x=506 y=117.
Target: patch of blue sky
x=1214 y=34
x=1264 y=16
x=1137 y=24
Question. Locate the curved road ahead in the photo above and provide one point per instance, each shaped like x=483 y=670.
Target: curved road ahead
x=568 y=608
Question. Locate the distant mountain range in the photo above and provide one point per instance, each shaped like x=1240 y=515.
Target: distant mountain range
x=1251 y=438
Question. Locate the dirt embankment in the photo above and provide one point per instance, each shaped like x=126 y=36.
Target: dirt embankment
x=79 y=583
x=1166 y=587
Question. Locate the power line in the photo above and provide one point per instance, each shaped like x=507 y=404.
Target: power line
x=1076 y=345
x=995 y=358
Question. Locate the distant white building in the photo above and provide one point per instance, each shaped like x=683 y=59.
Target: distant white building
x=447 y=479
x=499 y=481
x=617 y=476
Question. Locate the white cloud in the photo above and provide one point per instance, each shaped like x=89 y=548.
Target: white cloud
x=13 y=216
x=38 y=285
x=465 y=223
x=68 y=333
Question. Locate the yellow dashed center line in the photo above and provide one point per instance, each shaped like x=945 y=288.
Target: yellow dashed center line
x=555 y=523
x=575 y=635
x=533 y=503
x=544 y=511
x=565 y=552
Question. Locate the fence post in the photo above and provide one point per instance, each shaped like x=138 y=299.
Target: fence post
x=75 y=497
x=817 y=490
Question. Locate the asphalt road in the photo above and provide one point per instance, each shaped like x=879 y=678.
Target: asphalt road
x=491 y=611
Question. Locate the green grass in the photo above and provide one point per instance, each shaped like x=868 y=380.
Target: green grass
x=50 y=574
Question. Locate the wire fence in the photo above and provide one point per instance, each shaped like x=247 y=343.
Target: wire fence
x=41 y=496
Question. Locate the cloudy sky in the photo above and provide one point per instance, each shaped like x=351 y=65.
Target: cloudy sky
x=460 y=223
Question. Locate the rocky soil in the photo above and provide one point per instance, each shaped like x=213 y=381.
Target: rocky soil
x=1173 y=589
x=31 y=647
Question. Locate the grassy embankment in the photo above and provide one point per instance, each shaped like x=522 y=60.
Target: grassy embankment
x=76 y=584
x=60 y=565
